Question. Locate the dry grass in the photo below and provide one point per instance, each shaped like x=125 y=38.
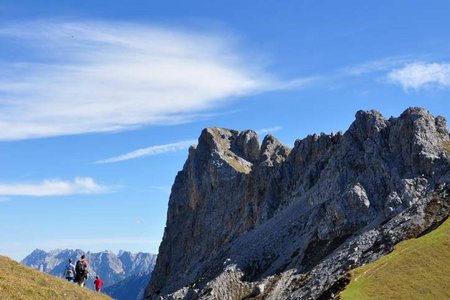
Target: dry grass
x=446 y=145
x=236 y=163
x=416 y=269
x=19 y=282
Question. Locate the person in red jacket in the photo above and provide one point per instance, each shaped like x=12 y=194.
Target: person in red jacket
x=98 y=283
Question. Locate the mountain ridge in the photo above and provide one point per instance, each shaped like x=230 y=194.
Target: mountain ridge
x=288 y=223
x=111 y=267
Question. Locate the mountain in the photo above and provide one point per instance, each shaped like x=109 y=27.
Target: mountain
x=251 y=221
x=131 y=288
x=20 y=282
x=110 y=267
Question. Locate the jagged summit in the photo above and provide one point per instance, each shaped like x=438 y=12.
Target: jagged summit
x=239 y=149
x=284 y=223
x=272 y=152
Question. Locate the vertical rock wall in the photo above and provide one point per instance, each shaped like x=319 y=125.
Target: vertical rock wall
x=266 y=220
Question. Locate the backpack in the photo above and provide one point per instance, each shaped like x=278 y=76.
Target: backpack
x=80 y=267
x=69 y=272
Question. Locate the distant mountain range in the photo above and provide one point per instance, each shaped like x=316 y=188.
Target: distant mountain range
x=125 y=274
x=131 y=288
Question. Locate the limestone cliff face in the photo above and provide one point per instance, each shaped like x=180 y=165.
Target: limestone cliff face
x=265 y=221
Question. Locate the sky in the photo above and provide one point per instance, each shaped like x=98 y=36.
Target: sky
x=100 y=100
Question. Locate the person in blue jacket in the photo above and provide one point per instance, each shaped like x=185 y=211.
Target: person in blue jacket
x=70 y=271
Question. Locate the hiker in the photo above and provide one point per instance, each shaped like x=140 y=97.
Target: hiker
x=81 y=269
x=70 y=271
x=98 y=283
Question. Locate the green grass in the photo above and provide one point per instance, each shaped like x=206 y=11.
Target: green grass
x=416 y=269
x=19 y=282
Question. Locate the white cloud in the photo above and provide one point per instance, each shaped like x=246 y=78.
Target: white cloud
x=421 y=75
x=149 y=151
x=53 y=187
x=373 y=66
x=99 y=77
x=138 y=222
x=269 y=130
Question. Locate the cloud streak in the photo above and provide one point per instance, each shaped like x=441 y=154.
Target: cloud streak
x=100 y=77
x=149 y=151
x=374 y=66
x=419 y=75
x=269 y=130
x=53 y=187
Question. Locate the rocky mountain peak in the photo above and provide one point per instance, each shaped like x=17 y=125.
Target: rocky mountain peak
x=272 y=151
x=367 y=124
x=419 y=123
x=284 y=223
x=237 y=149
x=37 y=252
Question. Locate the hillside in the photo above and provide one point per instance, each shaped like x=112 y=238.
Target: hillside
x=18 y=282
x=111 y=267
x=416 y=269
x=265 y=220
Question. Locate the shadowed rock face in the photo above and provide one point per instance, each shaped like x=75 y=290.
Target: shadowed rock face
x=268 y=221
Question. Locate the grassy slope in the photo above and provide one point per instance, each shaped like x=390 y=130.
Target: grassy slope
x=20 y=282
x=416 y=269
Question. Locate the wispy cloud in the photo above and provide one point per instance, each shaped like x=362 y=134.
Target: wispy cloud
x=53 y=187
x=269 y=129
x=420 y=75
x=411 y=73
x=149 y=151
x=99 y=77
x=138 y=222
x=378 y=65
x=4 y=199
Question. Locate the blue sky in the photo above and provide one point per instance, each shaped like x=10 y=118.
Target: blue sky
x=99 y=100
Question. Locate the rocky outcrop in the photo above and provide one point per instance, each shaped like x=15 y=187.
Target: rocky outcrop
x=249 y=221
